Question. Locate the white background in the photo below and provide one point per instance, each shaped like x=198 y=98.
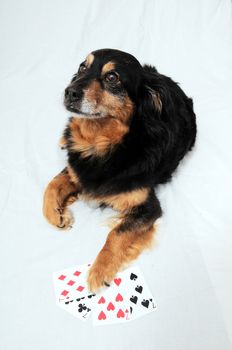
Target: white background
x=189 y=270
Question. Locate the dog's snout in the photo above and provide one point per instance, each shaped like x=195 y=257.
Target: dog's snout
x=71 y=94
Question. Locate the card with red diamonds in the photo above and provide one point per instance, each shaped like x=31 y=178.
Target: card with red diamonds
x=71 y=291
x=71 y=283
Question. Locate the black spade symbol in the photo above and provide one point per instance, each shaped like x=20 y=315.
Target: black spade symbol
x=134 y=299
x=145 y=303
x=133 y=277
x=139 y=289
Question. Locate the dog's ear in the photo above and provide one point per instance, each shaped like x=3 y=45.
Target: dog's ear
x=151 y=98
x=154 y=98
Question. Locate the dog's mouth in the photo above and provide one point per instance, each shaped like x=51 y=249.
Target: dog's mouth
x=80 y=114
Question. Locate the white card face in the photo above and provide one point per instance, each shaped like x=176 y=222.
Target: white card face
x=112 y=304
x=71 y=283
x=80 y=307
x=71 y=291
x=126 y=299
x=141 y=301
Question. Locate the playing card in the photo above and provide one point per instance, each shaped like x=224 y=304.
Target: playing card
x=127 y=298
x=141 y=300
x=112 y=304
x=79 y=307
x=71 y=291
x=71 y=283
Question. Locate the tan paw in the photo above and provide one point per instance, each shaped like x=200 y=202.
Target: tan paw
x=71 y=199
x=100 y=275
x=62 y=143
x=60 y=217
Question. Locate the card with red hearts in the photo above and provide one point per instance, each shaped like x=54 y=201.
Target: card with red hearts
x=126 y=299
x=112 y=306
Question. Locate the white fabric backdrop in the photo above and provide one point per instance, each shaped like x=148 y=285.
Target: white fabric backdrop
x=189 y=271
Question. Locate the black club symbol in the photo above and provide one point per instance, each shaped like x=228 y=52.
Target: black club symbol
x=83 y=307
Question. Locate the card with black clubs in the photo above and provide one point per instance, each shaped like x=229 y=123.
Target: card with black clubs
x=80 y=307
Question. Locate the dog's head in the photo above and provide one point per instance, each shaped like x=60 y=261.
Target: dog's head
x=109 y=84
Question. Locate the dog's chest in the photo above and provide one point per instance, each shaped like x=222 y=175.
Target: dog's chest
x=94 y=137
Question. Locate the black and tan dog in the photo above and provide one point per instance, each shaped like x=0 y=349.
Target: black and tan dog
x=129 y=129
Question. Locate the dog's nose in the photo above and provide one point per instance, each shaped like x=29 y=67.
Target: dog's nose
x=71 y=94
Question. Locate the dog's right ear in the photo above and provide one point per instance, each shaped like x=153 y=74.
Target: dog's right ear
x=151 y=99
x=150 y=77
x=155 y=98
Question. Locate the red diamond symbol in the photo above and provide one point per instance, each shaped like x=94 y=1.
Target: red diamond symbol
x=77 y=273
x=71 y=283
x=62 y=277
x=65 y=292
x=80 y=288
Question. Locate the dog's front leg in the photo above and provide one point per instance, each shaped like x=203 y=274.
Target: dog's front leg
x=126 y=241
x=60 y=193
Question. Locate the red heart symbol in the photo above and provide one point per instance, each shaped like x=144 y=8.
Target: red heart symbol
x=117 y=281
x=101 y=300
x=119 y=297
x=101 y=316
x=110 y=307
x=120 y=313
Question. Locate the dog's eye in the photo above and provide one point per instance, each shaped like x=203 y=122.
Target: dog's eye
x=82 y=68
x=111 y=77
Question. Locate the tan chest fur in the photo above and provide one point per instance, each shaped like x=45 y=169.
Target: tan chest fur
x=95 y=137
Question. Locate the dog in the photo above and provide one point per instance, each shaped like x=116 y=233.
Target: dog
x=129 y=129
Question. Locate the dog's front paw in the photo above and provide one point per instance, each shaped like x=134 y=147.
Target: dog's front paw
x=65 y=219
x=100 y=274
x=62 y=143
x=60 y=217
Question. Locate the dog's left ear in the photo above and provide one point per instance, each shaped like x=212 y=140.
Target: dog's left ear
x=155 y=98
x=151 y=94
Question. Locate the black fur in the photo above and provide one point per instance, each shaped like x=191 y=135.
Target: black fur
x=157 y=140
x=143 y=215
